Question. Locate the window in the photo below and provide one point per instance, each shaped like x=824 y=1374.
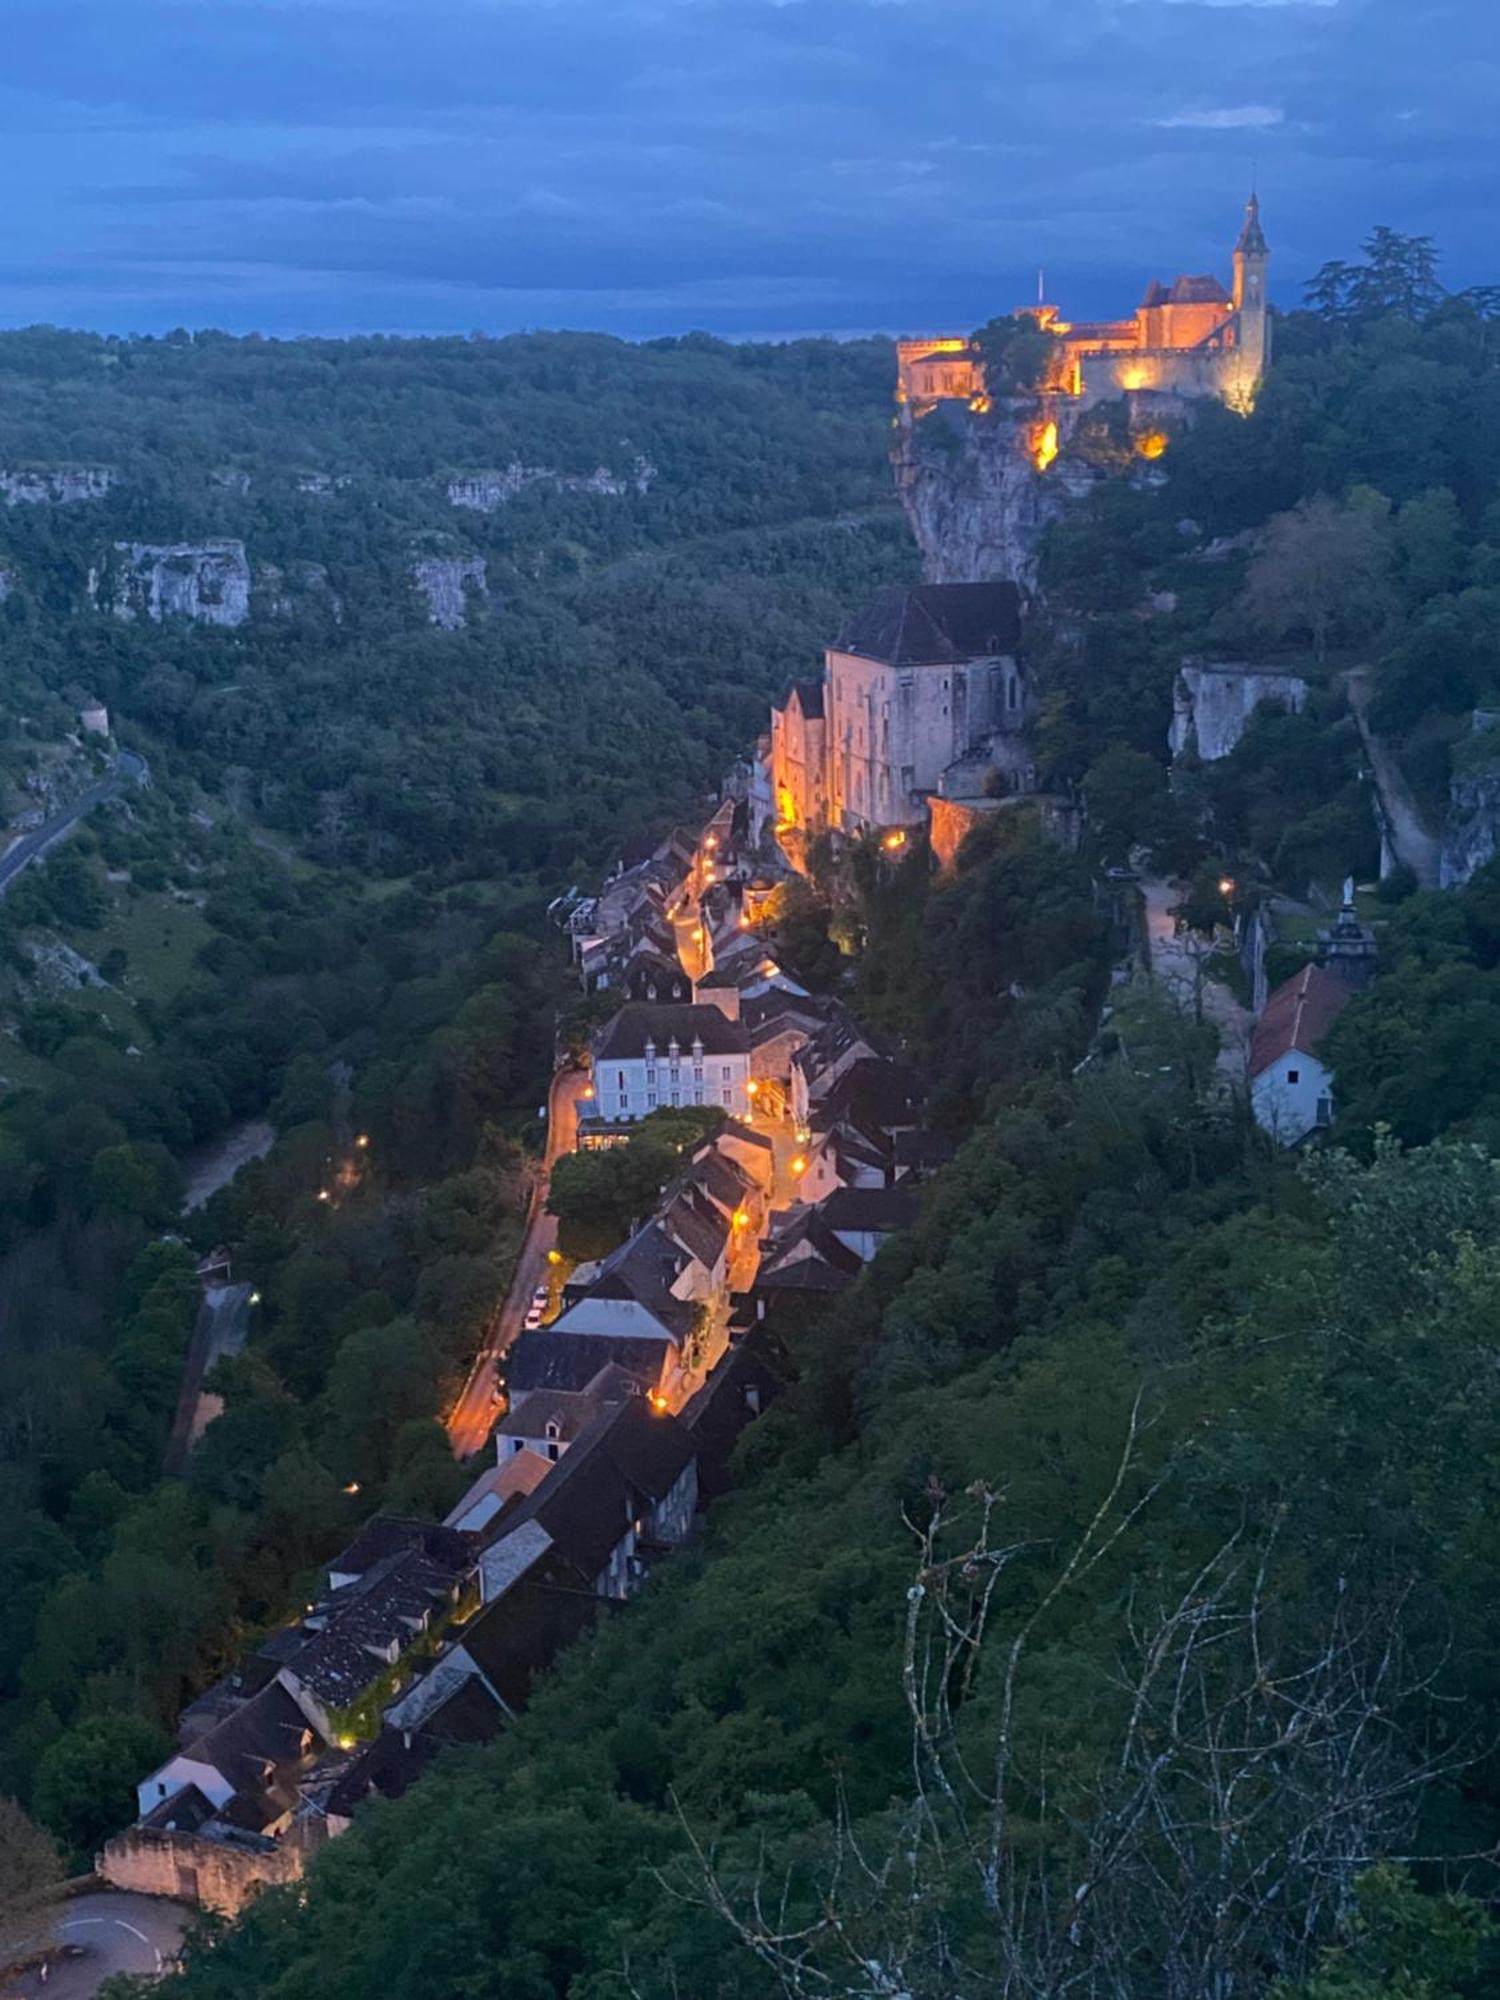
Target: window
x=698 y=1094
x=727 y=1073
x=697 y=1072
x=676 y=1097
x=727 y=1095
x=675 y=1072
x=650 y=1100
x=624 y=1100
x=1294 y=1076
x=650 y=1075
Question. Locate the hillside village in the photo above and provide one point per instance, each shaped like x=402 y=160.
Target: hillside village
x=619 y=1387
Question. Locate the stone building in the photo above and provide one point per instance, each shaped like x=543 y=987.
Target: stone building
x=1189 y=338
x=924 y=681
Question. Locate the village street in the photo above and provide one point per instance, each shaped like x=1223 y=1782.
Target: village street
x=470 y=1420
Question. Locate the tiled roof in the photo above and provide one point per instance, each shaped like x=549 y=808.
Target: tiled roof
x=935 y=624
x=547 y=1359
x=1297 y=1016
x=883 y=1209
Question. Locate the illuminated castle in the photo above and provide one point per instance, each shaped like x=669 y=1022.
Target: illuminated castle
x=1189 y=338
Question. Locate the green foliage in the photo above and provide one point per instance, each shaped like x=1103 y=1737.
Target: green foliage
x=85 y=1782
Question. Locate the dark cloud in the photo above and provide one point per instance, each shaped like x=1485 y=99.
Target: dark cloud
x=741 y=164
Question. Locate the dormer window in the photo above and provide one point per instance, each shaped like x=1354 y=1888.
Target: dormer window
x=552 y=1429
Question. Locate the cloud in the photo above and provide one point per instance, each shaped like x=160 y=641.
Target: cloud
x=1226 y=118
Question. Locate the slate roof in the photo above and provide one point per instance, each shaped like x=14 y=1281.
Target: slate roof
x=719 y=1412
x=626 y=1036
x=809 y=695
x=1202 y=290
x=805 y=1255
x=883 y=1209
x=935 y=624
x=873 y=1094
x=691 y=1219
x=922 y=1149
x=514 y=1640
x=546 y=1359
x=388 y=1535
x=268 y=1729
x=364 y=1624
x=1297 y=1016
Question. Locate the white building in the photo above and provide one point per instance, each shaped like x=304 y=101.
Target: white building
x=651 y=1058
x=1291 y=1089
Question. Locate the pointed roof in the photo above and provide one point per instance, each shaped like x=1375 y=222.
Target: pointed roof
x=935 y=624
x=1252 y=241
x=1297 y=1016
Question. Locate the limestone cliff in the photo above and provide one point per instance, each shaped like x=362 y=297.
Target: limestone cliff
x=208 y=582
x=1213 y=702
x=1471 y=837
x=450 y=584
x=56 y=485
x=981 y=485
x=486 y=492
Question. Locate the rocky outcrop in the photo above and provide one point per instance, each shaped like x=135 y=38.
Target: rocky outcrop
x=1213 y=702
x=208 y=582
x=296 y=589
x=450 y=585
x=487 y=492
x=975 y=493
x=56 y=485
x=230 y=479
x=323 y=482
x=1471 y=837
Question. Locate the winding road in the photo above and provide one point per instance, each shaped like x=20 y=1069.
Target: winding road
x=129 y=769
x=472 y=1417
x=106 y=1933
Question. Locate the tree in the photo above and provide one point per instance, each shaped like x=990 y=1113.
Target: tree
x=86 y=1780
x=1128 y=800
x=1015 y=354
x=30 y=1866
x=1323 y=569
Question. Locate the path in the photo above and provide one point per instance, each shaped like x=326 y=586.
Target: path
x=129 y=768
x=210 y=1168
x=111 y=1933
x=1405 y=829
x=473 y=1416
x=222 y=1327
x=1176 y=969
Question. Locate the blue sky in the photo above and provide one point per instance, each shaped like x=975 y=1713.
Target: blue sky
x=746 y=166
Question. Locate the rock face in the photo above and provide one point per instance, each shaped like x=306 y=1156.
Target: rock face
x=298 y=588
x=1472 y=835
x=486 y=492
x=57 y=485
x=230 y=479
x=208 y=582
x=1212 y=703
x=323 y=482
x=976 y=499
x=449 y=584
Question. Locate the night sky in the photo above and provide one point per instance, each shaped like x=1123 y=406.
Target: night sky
x=745 y=166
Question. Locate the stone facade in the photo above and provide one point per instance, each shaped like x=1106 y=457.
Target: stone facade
x=1213 y=702
x=213 y=1874
x=486 y=492
x=56 y=485
x=981 y=475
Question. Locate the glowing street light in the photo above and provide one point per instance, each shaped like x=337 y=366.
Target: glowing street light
x=1226 y=885
x=799 y=1165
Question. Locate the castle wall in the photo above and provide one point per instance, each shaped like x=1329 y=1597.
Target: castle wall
x=798 y=763
x=209 y=1873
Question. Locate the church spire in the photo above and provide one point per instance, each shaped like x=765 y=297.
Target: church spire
x=1252 y=241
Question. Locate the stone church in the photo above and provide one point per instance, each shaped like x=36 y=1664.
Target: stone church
x=922 y=693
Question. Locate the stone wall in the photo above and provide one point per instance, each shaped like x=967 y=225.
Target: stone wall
x=56 y=485
x=1211 y=705
x=212 y=1874
x=447 y=583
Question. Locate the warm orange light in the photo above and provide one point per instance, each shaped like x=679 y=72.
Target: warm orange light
x=698 y=935
x=752 y=1088
x=322 y=1194
x=362 y=1141
x=894 y=840
x=554 y=1256
x=657 y=1401
x=799 y=1165
x=587 y=1091
x=1226 y=885
x=1152 y=444
x=712 y=840
x=1043 y=443
x=744 y=922
x=352 y=1487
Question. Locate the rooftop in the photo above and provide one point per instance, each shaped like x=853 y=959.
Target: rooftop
x=935 y=624
x=1297 y=1016
x=641 y=1022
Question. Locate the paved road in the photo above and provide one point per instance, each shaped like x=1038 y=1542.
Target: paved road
x=1175 y=968
x=129 y=769
x=473 y=1415
x=1414 y=845
x=113 y=1933
x=222 y=1328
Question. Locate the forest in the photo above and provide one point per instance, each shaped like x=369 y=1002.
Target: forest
x=1106 y=1607
x=328 y=912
